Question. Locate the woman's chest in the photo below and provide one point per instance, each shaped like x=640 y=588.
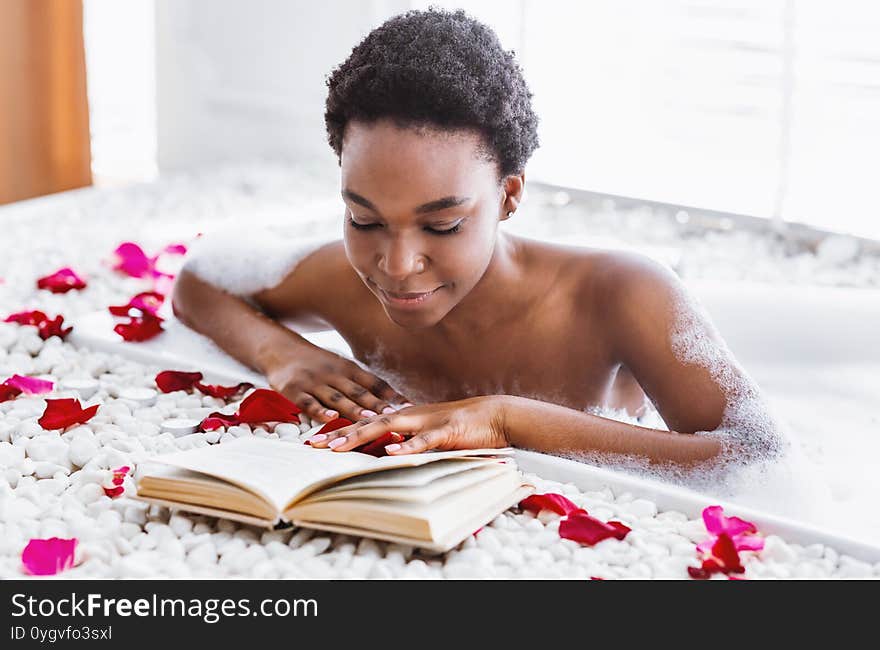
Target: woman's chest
x=552 y=359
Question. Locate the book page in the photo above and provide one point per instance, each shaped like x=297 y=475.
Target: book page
x=410 y=477
x=273 y=469
x=425 y=493
x=281 y=471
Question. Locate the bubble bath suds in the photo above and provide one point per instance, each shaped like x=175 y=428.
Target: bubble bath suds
x=246 y=264
x=759 y=465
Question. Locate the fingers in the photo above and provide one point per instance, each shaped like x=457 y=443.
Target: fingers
x=364 y=431
x=378 y=387
x=335 y=400
x=368 y=404
x=313 y=407
x=433 y=439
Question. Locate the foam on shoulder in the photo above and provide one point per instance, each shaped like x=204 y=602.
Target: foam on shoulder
x=748 y=430
x=244 y=263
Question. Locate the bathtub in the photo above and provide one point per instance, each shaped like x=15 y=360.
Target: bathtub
x=813 y=351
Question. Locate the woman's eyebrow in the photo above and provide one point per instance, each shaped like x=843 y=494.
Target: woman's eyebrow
x=431 y=206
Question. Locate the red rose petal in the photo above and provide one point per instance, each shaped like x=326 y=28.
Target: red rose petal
x=118 y=478
x=8 y=392
x=585 y=529
x=34 y=317
x=549 y=501
x=38 y=319
x=698 y=573
x=216 y=420
x=725 y=555
x=62 y=413
x=139 y=329
x=62 y=281
x=223 y=392
x=332 y=425
x=49 y=328
x=377 y=446
x=169 y=381
x=146 y=302
x=264 y=405
x=620 y=530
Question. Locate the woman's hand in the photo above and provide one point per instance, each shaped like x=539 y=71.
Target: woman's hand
x=473 y=423
x=326 y=385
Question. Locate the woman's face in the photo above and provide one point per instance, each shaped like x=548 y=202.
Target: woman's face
x=422 y=210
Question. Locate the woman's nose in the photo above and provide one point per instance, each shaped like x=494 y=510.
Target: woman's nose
x=400 y=259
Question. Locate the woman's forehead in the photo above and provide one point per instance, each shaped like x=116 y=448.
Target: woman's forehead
x=384 y=141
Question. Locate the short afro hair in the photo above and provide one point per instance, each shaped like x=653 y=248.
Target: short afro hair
x=436 y=69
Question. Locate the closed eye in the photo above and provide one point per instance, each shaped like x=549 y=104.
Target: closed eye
x=373 y=226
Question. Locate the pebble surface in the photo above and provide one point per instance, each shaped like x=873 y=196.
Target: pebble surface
x=52 y=482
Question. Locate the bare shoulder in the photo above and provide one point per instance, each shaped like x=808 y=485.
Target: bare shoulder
x=623 y=275
x=306 y=294
x=599 y=279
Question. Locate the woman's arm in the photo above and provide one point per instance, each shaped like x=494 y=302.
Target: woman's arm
x=711 y=406
x=547 y=427
x=237 y=327
x=669 y=344
x=321 y=383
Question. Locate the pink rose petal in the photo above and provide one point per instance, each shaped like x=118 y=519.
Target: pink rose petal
x=30 y=385
x=46 y=557
x=130 y=258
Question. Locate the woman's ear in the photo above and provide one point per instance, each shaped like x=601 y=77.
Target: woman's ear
x=513 y=188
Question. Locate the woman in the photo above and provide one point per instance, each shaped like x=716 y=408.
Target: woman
x=501 y=340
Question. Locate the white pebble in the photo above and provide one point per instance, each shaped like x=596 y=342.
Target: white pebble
x=85 y=387
x=81 y=450
x=776 y=550
x=641 y=508
x=139 y=396
x=179 y=426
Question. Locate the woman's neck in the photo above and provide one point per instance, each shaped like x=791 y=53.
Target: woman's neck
x=500 y=296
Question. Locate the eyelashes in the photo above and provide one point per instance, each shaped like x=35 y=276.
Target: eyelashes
x=373 y=226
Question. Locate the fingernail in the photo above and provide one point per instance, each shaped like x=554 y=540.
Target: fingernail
x=405 y=404
x=331 y=414
x=336 y=442
x=390 y=448
x=367 y=413
x=388 y=409
x=318 y=437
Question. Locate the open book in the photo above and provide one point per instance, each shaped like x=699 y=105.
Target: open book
x=433 y=500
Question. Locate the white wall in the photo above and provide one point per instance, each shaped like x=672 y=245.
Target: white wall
x=238 y=80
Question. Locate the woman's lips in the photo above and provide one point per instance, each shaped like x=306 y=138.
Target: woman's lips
x=407 y=299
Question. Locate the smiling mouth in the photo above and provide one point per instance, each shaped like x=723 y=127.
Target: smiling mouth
x=407 y=299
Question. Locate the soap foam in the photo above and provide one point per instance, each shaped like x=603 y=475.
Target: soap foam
x=759 y=465
x=748 y=431
x=244 y=265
